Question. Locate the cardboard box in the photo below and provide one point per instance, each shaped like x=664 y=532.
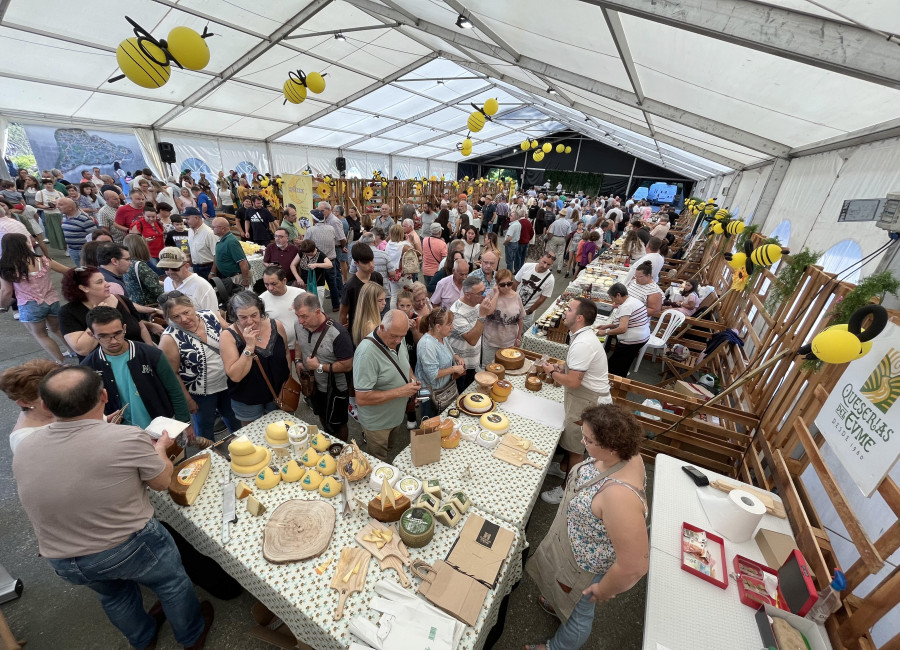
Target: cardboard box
x=775 y=547
x=815 y=634
x=424 y=447
x=480 y=550
x=696 y=391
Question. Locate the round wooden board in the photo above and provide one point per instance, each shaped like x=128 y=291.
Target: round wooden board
x=297 y=530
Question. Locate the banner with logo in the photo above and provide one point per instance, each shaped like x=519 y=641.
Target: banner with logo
x=298 y=189
x=861 y=416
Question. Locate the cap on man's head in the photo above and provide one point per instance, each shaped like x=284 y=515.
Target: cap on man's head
x=317 y=215
x=436 y=228
x=171 y=257
x=188 y=211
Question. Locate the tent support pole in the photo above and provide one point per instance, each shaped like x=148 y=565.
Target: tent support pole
x=630 y=177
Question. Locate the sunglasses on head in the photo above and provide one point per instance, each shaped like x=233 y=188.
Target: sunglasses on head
x=165 y=297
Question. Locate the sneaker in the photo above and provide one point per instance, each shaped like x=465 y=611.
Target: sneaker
x=15 y=315
x=46 y=241
x=555 y=470
x=411 y=424
x=554 y=496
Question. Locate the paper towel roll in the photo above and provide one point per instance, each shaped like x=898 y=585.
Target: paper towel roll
x=734 y=515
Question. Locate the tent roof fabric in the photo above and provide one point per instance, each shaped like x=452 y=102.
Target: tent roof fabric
x=700 y=87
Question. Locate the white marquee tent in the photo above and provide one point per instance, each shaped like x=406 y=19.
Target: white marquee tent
x=772 y=106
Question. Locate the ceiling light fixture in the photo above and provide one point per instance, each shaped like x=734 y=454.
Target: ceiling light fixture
x=440 y=82
x=551 y=91
x=339 y=37
x=464 y=23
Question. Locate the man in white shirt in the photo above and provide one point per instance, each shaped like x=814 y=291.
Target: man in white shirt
x=656 y=260
x=511 y=242
x=469 y=314
x=585 y=380
x=461 y=208
x=180 y=276
x=534 y=284
x=662 y=228
x=279 y=301
x=201 y=242
x=558 y=232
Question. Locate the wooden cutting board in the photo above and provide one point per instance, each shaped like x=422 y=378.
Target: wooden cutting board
x=350 y=558
x=390 y=556
x=297 y=530
x=515 y=457
x=522 y=444
x=773 y=507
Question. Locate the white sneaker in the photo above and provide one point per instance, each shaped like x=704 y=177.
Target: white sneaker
x=555 y=470
x=411 y=424
x=15 y=315
x=554 y=496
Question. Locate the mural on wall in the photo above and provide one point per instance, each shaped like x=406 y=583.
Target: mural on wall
x=72 y=150
x=245 y=167
x=195 y=165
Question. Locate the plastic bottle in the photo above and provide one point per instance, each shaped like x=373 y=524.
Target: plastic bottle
x=829 y=599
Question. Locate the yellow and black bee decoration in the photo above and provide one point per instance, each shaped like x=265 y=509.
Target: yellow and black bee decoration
x=146 y=61
x=298 y=83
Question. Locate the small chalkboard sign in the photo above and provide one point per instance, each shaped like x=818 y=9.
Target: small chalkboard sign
x=861 y=210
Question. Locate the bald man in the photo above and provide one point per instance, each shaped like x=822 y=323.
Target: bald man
x=75 y=226
x=106 y=216
x=230 y=260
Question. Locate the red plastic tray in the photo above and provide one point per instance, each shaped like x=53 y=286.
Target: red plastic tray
x=720 y=567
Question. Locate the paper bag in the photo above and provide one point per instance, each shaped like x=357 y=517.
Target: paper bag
x=480 y=550
x=425 y=448
x=451 y=591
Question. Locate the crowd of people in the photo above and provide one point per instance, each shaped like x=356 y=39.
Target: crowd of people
x=386 y=317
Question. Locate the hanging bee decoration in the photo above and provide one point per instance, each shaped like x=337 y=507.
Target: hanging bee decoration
x=465 y=147
x=146 y=61
x=845 y=343
x=298 y=83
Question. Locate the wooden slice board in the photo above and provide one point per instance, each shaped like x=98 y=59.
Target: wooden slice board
x=773 y=507
x=350 y=557
x=519 y=443
x=515 y=457
x=297 y=530
x=390 y=556
x=526 y=367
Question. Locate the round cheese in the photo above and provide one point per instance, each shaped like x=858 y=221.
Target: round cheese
x=477 y=402
x=416 y=527
x=499 y=399
x=533 y=383
x=329 y=487
x=451 y=441
x=267 y=479
x=469 y=432
x=277 y=433
x=241 y=446
x=488 y=439
x=497 y=369
x=310 y=458
x=410 y=487
x=291 y=472
x=248 y=470
x=311 y=480
x=510 y=358
x=383 y=472
x=496 y=422
x=503 y=388
x=326 y=465
x=446 y=428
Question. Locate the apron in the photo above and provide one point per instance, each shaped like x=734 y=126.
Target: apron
x=575 y=400
x=554 y=564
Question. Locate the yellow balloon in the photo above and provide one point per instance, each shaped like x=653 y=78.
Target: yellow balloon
x=538 y=156
x=188 y=48
x=491 y=106
x=560 y=148
x=467 y=143
x=315 y=82
x=294 y=91
x=738 y=260
x=138 y=67
x=568 y=149
x=547 y=147
x=835 y=345
x=534 y=144
x=766 y=255
x=475 y=122
x=525 y=146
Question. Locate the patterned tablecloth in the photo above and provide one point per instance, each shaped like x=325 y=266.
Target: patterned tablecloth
x=495 y=486
x=257 y=267
x=295 y=592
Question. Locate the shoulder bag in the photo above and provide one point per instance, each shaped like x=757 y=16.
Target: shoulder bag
x=411 y=402
x=445 y=397
x=289 y=398
x=307 y=377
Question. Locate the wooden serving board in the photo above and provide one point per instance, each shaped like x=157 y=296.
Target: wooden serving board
x=390 y=556
x=515 y=457
x=350 y=556
x=773 y=507
x=298 y=529
x=520 y=444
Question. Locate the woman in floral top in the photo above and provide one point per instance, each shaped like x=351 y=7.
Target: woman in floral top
x=597 y=547
x=141 y=282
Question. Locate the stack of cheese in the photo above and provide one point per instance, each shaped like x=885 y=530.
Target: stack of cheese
x=247 y=459
x=277 y=434
x=449 y=512
x=501 y=390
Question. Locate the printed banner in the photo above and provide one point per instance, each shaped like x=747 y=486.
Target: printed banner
x=297 y=189
x=860 y=415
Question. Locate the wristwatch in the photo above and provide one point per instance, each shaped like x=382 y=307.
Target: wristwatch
x=247 y=352
x=319 y=369
x=481 y=319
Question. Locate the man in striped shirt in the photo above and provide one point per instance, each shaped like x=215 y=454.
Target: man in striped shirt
x=75 y=226
x=558 y=232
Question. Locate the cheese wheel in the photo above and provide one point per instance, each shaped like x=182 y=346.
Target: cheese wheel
x=499 y=399
x=320 y=442
x=410 y=487
x=267 y=479
x=497 y=369
x=329 y=487
x=326 y=465
x=416 y=527
x=502 y=388
x=496 y=422
x=455 y=421
x=251 y=470
x=428 y=502
x=446 y=428
x=477 y=402
x=510 y=358
x=382 y=472
x=241 y=446
x=277 y=433
x=451 y=441
x=488 y=439
x=292 y=472
x=311 y=480
x=310 y=457
x=188 y=478
x=431 y=423
x=469 y=432
x=533 y=383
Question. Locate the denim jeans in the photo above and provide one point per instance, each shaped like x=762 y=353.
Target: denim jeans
x=520 y=259
x=511 y=252
x=205 y=417
x=574 y=632
x=331 y=279
x=74 y=255
x=150 y=558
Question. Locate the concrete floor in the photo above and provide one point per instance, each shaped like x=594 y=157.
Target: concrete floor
x=51 y=613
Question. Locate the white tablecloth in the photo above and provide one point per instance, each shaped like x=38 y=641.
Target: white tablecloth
x=295 y=592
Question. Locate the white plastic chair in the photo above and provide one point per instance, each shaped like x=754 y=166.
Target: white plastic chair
x=676 y=318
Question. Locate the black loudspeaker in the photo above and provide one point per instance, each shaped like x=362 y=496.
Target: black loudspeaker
x=341 y=164
x=167 y=152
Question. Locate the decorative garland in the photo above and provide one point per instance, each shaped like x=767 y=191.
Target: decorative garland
x=789 y=277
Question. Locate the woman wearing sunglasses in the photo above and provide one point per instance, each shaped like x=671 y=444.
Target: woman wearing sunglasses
x=503 y=328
